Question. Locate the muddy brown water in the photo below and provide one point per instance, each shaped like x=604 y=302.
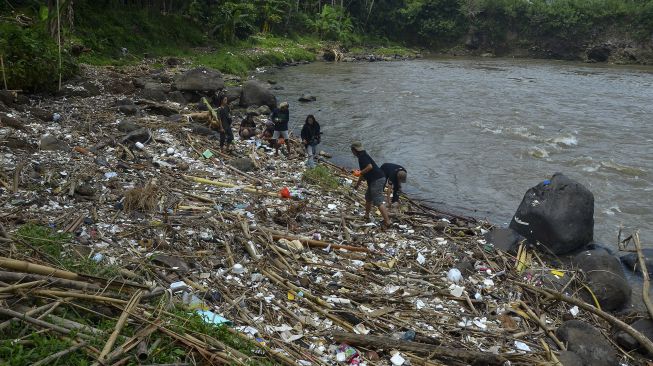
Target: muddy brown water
x=475 y=134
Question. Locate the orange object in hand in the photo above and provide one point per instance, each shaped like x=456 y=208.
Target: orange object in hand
x=282 y=141
x=357 y=173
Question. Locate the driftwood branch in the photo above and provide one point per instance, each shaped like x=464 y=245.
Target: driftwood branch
x=473 y=357
x=647 y=281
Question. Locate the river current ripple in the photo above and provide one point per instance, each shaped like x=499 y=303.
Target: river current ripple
x=475 y=134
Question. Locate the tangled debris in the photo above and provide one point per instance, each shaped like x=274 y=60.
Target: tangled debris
x=133 y=240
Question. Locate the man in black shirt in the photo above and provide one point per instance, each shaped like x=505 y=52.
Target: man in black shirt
x=375 y=182
x=395 y=175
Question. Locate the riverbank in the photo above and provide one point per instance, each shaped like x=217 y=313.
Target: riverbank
x=143 y=218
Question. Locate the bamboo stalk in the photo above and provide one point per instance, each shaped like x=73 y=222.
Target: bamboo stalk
x=22 y=266
x=40 y=323
x=22 y=285
x=59 y=42
x=248 y=189
x=647 y=281
x=56 y=356
x=133 y=302
x=4 y=76
x=276 y=235
x=60 y=282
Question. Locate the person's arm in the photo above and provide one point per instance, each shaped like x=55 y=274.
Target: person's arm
x=388 y=190
x=395 y=193
x=360 y=178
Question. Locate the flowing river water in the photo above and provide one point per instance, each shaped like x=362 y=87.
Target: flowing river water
x=475 y=134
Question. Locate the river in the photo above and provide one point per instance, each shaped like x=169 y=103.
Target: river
x=475 y=134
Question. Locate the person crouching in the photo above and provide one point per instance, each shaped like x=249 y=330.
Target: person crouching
x=375 y=182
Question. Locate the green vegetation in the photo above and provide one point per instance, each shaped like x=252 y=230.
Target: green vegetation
x=321 y=176
x=53 y=245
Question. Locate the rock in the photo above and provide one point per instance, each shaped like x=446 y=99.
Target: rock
x=558 y=214
x=129 y=109
x=202 y=130
x=191 y=97
x=243 y=164
x=174 y=61
x=625 y=340
x=568 y=358
x=255 y=93
x=504 y=239
x=83 y=90
x=128 y=126
x=200 y=79
x=15 y=123
x=631 y=261
x=161 y=109
x=307 y=98
x=40 y=114
x=154 y=94
x=599 y=53
x=263 y=110
x=7 y=97
x=233 y=93
x=587 y=343
x=605 y=277
x=85 y=189
x=51 y=143
x=177 y=97
x=140 y=135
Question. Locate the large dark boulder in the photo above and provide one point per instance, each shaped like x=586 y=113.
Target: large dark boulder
x=625 y=340
x=233 y=93
x=255 y=93
x=559 y=214
x=605 y=277
x=199 y=80
x=587 y=343
x=631 y=261
x=568 y=358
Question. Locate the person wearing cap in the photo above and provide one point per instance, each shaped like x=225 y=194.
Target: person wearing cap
x=247 y=127
x=375 y=182
x=280 y=116
x=395 y=176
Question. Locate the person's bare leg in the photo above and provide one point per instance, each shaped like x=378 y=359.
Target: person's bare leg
x=384 y=213
x=368 y=208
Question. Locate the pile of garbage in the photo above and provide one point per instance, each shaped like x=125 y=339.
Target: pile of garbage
x=120 y=210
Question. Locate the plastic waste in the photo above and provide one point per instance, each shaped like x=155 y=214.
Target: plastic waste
x=409 y=335
x=348 y=354
x=207 y=154
x=98 y=257
x=454 y=275
x=284 y=192
x=139 y=145
x=56 y=117
x=397 y=359
x=238 y=268
x=211 y=317
x=110 y=175
x=170 y=150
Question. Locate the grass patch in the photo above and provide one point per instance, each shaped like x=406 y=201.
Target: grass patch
x=53 y=245
x=395 y=50
x=321 y=176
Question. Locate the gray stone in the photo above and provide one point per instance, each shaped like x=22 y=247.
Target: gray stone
x=587 y=343
x=558 y=214
x=200 y=79
x=177 y=97
x=263 y=110
x=128 y=126
x=12 y=122
x=307 y=98
x=504 y=239
x=568 y=358
x=625 y=340
x=202 y=130
x=233 y=93
x=85 y=189
x=255 y=93
x=157 y=95
x=40 y=114
x=7 y=97
x=605 y=277
x=129 y=109
x=631 y=261
x=243 y=164
x=51 y=143
x=161 y=109
x=141 y=135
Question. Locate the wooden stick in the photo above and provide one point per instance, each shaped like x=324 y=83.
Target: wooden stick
x=56 y=356
x=473 y=357
x=4 y=76
x=40 y=323
x=35 y=311
x=248 y=189
x=59 y=41
x=542 y=325
x=643 y=340
x=647 y=281
x=276 y=235
x=133 y=302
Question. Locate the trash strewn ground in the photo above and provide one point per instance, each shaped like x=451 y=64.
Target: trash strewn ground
x=128 y=238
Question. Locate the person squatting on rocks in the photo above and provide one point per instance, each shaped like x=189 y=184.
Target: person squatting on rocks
x=311 y=138
x=280 y=116
x=395 y=176
x=375 y=182
x=247 y=127
x=224 y=114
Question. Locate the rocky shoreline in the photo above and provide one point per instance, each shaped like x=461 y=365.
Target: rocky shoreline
x=123 y=165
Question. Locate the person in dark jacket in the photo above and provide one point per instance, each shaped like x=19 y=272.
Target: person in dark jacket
x=395 y=176
x=247 y=127
x=311 y=138
x=375 y=182
x=224 y=114
x=280 y=116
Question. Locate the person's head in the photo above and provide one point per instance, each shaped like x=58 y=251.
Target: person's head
x=222 y=98
x=310 y=119
x=283 y=105
x=357 y=147
x=401 y=176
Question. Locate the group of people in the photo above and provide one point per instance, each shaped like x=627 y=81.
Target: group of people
x=276 y=131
